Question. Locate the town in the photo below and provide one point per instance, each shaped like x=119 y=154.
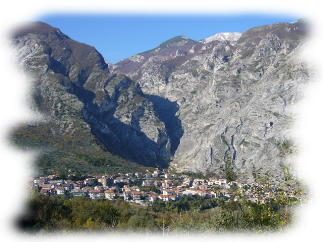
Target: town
x=142 y=188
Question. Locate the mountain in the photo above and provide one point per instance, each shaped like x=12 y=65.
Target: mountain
x=175 y=42
x=312 y=23
x=62 y=89
x=222 y=36
x=234 y=97
x=313 y=20
x=222 y=105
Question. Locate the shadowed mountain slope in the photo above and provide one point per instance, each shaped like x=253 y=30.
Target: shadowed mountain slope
x=85 y=106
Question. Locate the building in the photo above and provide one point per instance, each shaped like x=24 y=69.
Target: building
x=110 y=195
x=60 y=190
x=136 y=195
x=94 y=194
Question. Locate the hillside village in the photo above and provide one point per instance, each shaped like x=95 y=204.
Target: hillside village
x=142 y=188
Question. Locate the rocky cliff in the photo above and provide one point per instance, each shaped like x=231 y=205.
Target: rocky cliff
x=234 y=93
x=46 y=78
x=221 y=105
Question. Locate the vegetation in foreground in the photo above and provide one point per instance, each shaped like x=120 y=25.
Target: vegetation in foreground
x=47 y=214
x=294 y=214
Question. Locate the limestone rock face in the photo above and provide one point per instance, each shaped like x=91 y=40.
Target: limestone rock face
x=223 y=36
x=74 y=89
x=234 y=94
x=222 y=104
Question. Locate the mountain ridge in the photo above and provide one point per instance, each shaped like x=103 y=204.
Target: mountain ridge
x=312 y=23
x=35 y=27
x=236 y=68
x=312 y=20
x=221 y=106
x=78 y=95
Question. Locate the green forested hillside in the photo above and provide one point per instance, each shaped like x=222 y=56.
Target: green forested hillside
x=38 y=151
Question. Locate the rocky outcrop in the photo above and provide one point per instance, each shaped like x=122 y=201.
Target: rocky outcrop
x=127 y=124
x=222 y=105
x=234 y=93
x=73 y=88
x=233 y=37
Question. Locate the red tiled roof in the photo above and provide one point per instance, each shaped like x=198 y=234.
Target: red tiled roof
x=94 y=191
x=108 y=191
x=163 y=195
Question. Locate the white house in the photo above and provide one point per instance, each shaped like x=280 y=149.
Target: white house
x=148 y=183
x=60 y=190
x=110 y=195
x=94 y=194
x=164 y=198
x=152 y=198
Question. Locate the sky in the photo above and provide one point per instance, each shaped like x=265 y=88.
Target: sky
x=119 y=36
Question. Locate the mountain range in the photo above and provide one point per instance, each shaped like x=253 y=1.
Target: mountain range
x=221 y=106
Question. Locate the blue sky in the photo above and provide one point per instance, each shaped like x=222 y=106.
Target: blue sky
x=118 y=37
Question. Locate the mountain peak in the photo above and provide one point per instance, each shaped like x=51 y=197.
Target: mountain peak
x=234 y=36
x=177 y=40
x=35 y=27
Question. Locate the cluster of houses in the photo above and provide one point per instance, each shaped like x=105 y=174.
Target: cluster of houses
x=144 y=188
